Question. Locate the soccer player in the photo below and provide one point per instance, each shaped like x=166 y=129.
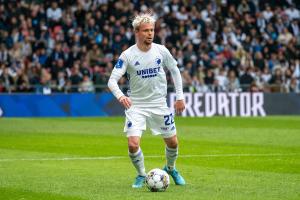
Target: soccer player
x=147 y=106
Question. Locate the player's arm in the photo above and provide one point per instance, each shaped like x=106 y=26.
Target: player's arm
x=118 y=71
x=179 y=103
x=171 y=64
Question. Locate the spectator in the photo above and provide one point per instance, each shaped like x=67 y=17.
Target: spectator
x=199 y=85
x=61 y=82
x=4 y=54
x=233 y=84
x=7 y=81
x=54 y=14
x=246 y=79
x=266 y=76
x=75 y=78
x=86 y=85
x=276 y=80
x=292 y=12
x=45 y=83
x=222 y=79
x=294 y=28
x=294 y=86
x=285 y=36
x=268 y=13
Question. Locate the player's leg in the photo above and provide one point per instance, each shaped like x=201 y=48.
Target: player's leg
x=136 y=154
x=171 y=156
x=171 y=151
x=137 y=159
x=134 y=126
x=162 y=122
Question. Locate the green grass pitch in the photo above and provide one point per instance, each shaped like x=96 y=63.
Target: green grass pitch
x=86 y=158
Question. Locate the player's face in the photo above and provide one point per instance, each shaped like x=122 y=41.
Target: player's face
x=145 y=33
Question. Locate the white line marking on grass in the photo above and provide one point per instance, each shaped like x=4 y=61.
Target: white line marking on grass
x=151 y=156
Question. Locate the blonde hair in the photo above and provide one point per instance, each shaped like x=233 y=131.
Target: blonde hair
x=142 y=19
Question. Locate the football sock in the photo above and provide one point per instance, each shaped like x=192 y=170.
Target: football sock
x=171 y=155
x=137 y=160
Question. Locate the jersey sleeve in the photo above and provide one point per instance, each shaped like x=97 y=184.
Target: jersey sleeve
x=118 y=71
x=171 y=65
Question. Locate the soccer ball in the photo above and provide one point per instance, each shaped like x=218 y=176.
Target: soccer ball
x=157 y=180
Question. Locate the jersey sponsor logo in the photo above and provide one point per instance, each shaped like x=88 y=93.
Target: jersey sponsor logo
x=119 y=64
x=136 y=63
x=148 y=73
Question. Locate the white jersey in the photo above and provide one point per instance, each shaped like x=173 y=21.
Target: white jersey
x=147 y=78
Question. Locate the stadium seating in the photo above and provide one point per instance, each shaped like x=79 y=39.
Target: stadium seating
x=72 y=46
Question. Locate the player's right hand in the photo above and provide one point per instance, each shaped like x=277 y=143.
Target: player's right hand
x=125 y=101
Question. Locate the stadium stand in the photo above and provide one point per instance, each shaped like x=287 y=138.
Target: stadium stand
x=220 y=45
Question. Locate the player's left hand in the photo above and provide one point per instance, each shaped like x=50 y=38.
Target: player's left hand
x=125 y=101
x=179 y=106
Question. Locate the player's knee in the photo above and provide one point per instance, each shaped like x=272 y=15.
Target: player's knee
x=172 y=142
x=133 y=147
x=173 y=145
x=133 y=144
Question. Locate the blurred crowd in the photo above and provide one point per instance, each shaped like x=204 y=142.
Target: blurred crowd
x=220 y=45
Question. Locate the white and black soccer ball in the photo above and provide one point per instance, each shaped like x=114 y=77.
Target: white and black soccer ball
x=157 y=180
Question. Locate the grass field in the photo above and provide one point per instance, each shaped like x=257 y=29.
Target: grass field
x=86 y=158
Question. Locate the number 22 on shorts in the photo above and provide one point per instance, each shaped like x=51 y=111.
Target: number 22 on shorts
x=169 y=119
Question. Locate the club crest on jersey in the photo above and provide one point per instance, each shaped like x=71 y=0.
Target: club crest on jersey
x=119 y=64
x=158 y=61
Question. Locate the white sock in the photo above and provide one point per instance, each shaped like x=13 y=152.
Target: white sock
x=137 y=160
x=171 y=155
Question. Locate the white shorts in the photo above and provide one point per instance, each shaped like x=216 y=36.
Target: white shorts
x=160 y=120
